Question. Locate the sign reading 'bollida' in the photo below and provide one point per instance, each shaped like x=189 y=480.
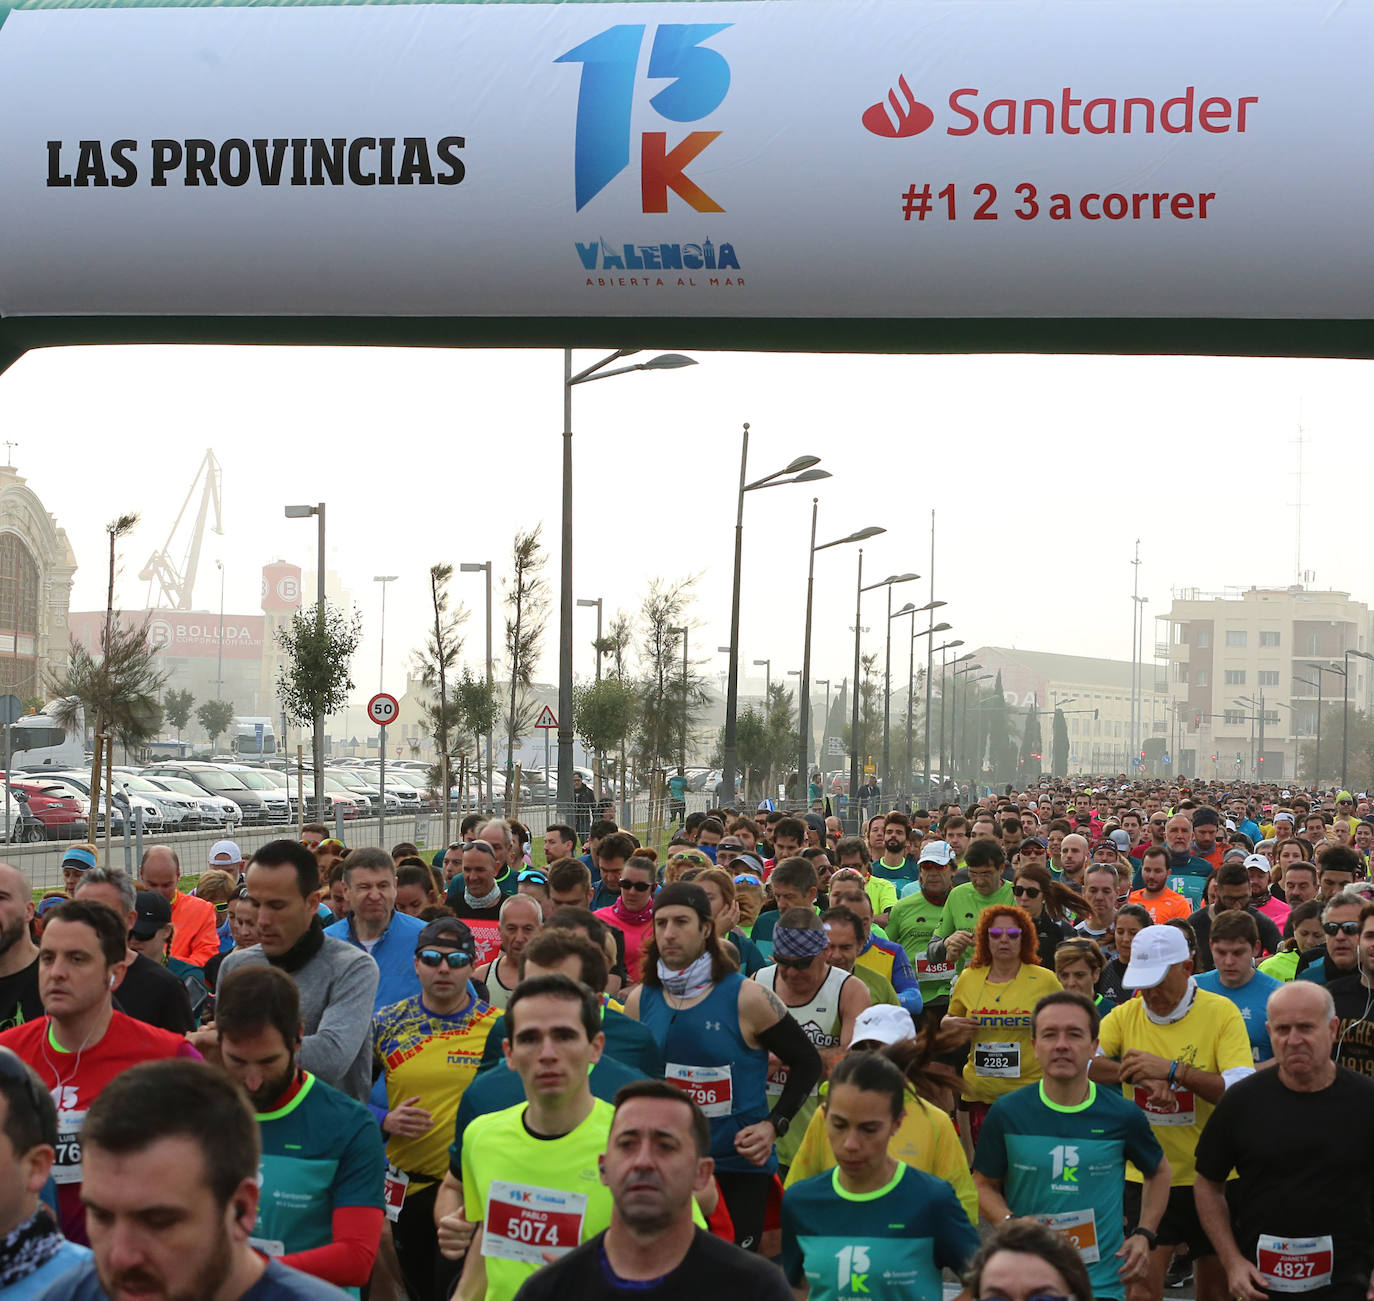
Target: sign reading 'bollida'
x=879 y=175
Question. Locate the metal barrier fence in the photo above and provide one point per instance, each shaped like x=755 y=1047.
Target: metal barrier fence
x=42 y=862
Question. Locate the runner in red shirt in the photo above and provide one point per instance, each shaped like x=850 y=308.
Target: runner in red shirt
x=82 y=1043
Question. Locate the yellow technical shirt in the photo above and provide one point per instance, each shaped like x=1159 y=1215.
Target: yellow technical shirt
x=1000 y=1059
x=1211 y=1036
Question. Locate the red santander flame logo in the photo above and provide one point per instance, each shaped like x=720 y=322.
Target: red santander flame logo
x=906 y=119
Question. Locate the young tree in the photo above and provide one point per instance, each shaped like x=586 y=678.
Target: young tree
x=782 y=740
x=477 y=705
x=438 y=667
x=315 y=678
x=215 y=716
x=604 y=713
x=615 y=647
x=176 y=708
x=672 y=699
x=527 y=603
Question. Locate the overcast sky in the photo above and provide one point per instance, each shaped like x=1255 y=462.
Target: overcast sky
x=1043 y=472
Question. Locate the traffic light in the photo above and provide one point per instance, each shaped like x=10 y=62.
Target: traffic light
x=1261 y=758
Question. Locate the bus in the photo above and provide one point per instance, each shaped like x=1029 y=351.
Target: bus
x=250 y=737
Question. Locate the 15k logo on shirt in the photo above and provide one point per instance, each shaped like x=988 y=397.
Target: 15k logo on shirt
x=853 y=1267
x=1064 y=1168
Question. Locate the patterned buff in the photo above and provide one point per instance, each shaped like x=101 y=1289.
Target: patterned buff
x=789 y=943
x=28 y=1247
x=690 y=981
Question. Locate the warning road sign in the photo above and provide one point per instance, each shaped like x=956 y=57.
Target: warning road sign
x=546 y=718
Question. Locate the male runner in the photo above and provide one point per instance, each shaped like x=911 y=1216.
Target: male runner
x=1235 y=946
x=953 y=937
x=913 y=920
x=1154 y=895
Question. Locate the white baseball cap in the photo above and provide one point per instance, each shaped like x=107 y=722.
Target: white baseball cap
x=938 y=851
x=885 y=1023
x=225 y=853
x=1153 y=952
x=1254 y=863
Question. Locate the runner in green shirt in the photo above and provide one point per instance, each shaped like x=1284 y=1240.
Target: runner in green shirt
x=1055 y=1151
x=914 y=918
x=953 y=937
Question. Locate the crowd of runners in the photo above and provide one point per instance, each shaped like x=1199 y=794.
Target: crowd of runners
x=1088 y=1040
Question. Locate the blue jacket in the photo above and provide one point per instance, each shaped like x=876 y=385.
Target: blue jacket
x=394 y=955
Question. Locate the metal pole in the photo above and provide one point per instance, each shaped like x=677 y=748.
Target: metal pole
x=1260 y=754
x=684 y=700
x=219 y=650
x=1317 y=774
x=730 y=761
x=944 y=665
x=910 y=709
x=930 y=640
x=804 y=687
x=565 y=610
x=491 y=691
x=319 y=717
x=854 y=704
x=1345 y=721
x=887 y=707
x=381 y=731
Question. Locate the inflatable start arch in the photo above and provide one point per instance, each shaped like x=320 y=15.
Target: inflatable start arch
x=886 y=175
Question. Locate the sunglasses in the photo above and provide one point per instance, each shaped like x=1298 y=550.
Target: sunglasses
x=1035 y=851
x=475 y=844
x=1341 y=928
x=636 y=885
x=529 y=874
x=747 y=878
x=1026 y=892
x=793 y=964
x=455 y=960
x=1008 y=932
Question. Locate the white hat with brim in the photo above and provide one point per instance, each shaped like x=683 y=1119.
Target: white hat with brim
x=884 y=1023
x=1153 y=952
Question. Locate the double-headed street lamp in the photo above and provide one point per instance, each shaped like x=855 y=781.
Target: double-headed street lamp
x=889 y=582
x=945 y=713
x=954 y=721
x=927 y=608
x=801 y=469
x=767 y=667
x=804 y=687
x=665 y=361
x=305 y=512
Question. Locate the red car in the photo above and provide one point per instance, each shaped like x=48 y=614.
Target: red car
x=62 y=818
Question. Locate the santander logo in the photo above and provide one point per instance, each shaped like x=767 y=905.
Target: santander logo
x=1060 y=113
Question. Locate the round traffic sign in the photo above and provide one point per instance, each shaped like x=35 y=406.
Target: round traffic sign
x=382 y=708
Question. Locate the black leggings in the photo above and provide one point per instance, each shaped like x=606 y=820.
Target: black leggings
x=428 y=1275
x=746 y=1197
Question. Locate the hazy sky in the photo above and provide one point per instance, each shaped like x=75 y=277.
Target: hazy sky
x=1043 y=472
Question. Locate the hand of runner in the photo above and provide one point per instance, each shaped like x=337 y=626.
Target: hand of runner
x=206 y=1043
x=1243 y=1281
x=455 y=1233
x=408 y=1120
x=755 y=1142
x=1139 y=1067
x=1135 y=1253
x=955 y=944
x=1160 y=1095
x=964 y=1025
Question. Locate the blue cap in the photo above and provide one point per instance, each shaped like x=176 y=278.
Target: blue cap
x=82 y=859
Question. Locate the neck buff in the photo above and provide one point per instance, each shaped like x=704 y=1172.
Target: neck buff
x=1184 y=1005
x=641 y=918
x=790 y=943
x=303 y=949
x=28 y=1248
x=486 y=901
x=691 y=980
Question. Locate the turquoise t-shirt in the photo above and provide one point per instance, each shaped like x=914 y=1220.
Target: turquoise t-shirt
x=887 y=1245
x=1251 y=999
x=321 y=1150
x=1067 y=1163
x=905 y=871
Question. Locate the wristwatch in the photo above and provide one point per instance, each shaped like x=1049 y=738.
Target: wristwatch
x=1152 y=1241
x=780 y=1124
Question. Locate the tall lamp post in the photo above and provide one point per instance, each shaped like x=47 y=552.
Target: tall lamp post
x=889 y=582
x=588 y=603
x=1317 y=758
x=944 y=712
x=682 y=754
x=383 y=579
x=911 y=681
x=305 y=512
x=928 y=632
x=804 y=687
x=825 y=722
x=957 y=674
x=858 y=634
x=219 y=653
x=597 y=370
x=1345 y=713
x=484 y=567
x=799 y=470
x=767 y=667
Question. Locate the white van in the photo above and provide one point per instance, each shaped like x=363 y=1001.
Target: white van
x=40 y=741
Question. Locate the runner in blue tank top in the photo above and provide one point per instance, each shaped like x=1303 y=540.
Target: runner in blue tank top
x=716 y=1030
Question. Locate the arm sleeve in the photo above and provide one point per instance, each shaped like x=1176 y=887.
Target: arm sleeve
x=903 y=978
x=348 y=1260
x=788 y=1042
x=346 y=1022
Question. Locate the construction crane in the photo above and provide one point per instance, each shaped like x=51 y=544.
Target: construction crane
x=177 y=585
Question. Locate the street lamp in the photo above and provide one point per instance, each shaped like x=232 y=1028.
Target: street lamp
x=911 y=678
x=799 y=470
x=597 y=370
x=682 y=632
x=484 y=567
x=383 y=579
x=305 y=512
x=767 y=667
x=929 y=632
x=889 y=582
x=587 y=603
x=1317 y=758
x=1345 y=712
x=219 y=657
x=803 y=687
x=972 y=681
x=947 y=646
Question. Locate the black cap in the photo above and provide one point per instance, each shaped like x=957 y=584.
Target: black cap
x=447 y=930
x=154 y=912
x=685 y=894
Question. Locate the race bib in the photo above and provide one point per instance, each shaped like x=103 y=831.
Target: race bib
x=1002 y=1060
x=928 y=970
x=1080 y=1228
x=1294 y=1264
x=524 y=1221
x=486 y=940
x=66 y=1167
x=710 y=1086
x=777 y=1078
x=1184 y=1113
x=394 y=1190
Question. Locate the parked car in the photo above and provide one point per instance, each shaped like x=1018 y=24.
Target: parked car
x=215 y=810
x=124 y=801
x=62 y=816
x=217 y=780
x=272 y=792
x=179 y=812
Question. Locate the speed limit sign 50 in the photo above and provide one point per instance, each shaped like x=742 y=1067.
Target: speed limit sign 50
x=381 y=709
